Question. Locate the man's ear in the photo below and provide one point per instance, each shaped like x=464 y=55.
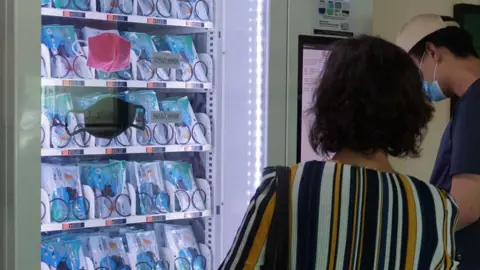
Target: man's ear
x=432 y=52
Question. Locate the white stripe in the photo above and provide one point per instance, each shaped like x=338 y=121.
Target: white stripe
x=396 y=181
x=242 y=224
x=258 y=202
x=261 y=259
x=449 y=217
x=361 y=186
x=418 y=210
x=388 y=241
x=379 y=217
x=325 y=212
x=344 y=217
x=295 y=188
x=437 y=200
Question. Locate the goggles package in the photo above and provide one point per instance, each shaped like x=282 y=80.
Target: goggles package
x=184 y=247
x=108 y=182
x=152 y=196
x=193 y=9
x=187 y=196
x=144 y=249
x=66 y=55
x=125 y=74
x=117 y=6
x=63 y=255
x=108 y=253
x=190 y=131
x=143 y=47
x=83 y=5
x=62 y=184
x=156 y=8
x=190 y=65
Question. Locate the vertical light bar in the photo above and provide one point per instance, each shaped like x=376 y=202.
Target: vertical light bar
x=259 y=93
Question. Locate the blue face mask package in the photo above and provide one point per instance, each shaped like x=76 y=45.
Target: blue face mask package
x=108 y=253
x=82 y=5
x=63 y=255
x=108 y=182
x=191 y=66
x=187 y=196
x=62 y=184
x=67 y=58
x=191 y=131
x=143 y=248
x=116 y=6
x=152 y=197
x=184 y=247
x=143 y=47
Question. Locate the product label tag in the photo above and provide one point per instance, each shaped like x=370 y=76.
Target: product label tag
x=165 y=60
x=166 y=117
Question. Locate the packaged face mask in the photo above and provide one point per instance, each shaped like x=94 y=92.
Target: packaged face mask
x=62 y=184
x=108 y=52
x=191 y=132
x=187 y=196
x=63 y=255
x=184 y=247
x=143 y=47
x=117 y=6
x=108 y=182
x=143 y=248
x=109 y=253
x=191 y=66
x=152 y=197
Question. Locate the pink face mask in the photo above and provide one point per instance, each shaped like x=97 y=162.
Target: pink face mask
x=108 y=52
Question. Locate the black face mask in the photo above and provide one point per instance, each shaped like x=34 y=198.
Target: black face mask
x=109 y=117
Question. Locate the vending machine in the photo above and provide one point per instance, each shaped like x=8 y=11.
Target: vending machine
x=137 y=127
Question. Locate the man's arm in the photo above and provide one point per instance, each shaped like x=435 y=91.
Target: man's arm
x=466 y=192
x=465 y=159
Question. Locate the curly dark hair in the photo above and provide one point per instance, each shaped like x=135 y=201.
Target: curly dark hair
x=369 y=98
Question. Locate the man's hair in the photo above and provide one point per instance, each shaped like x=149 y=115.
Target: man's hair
x=455 y=39
x=369 y=98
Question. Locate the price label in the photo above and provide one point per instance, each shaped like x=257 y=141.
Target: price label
x=74 y=14
x=72 y=152
x=156 y=21
x=166 y=117
x=193 y=215
x=195 y=24
x=72 y=83
x=120 y=18
x=115 y=151
x=72 y=226
x=156 y=85
x=165 y=60
x=194 y=85
x=155 y=218
x=116 y=84
x=153 y=150
x=115 y=222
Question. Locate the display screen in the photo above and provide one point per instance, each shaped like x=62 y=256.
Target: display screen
x=313 y=53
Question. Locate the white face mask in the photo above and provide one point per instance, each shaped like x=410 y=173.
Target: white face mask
x=432 y=89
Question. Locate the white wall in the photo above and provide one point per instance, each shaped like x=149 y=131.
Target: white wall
x=388 y=18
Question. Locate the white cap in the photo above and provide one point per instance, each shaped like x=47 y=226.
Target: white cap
x=419 y=27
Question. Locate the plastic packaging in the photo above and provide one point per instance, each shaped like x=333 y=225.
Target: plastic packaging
x=144 y=250
x=62 y=184
x=187 y=196
x=152 y=197
x=109 y=253
x=183 y=245
x=63 y=255
x=143 y=47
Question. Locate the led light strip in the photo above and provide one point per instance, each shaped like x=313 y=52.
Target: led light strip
x=258 y=95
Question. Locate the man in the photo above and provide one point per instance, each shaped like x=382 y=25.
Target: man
x=450 y=66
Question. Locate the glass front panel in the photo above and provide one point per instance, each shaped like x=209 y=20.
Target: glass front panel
x=127 y=99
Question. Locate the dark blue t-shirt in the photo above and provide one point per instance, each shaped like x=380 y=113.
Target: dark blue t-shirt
x=459 y=150
x=459 y=153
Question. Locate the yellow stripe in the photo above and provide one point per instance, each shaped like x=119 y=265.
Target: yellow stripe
x=354 y=227
x=335 y=216
x=293 y=174
x=448 y=259
x=412 y=222
x=261 y=235
x=360 y=247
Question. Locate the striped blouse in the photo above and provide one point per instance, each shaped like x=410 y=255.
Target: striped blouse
x=346 y=217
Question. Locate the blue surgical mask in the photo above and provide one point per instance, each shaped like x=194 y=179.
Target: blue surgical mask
x=432 y=89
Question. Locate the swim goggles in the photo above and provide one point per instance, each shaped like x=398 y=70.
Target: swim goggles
x=113 y=263
x=60 y=138
x=59 y=58
x=188 y=10
x=187 y=255
x=107 y=205
x=152 y=199
x=186 y=72
x=147 y=261
x=122 y=6
x=163 y=8
x=83 y=5
x=67 y=204
x=147 y=72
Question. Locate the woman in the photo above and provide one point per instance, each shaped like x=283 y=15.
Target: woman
x=355 y=211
